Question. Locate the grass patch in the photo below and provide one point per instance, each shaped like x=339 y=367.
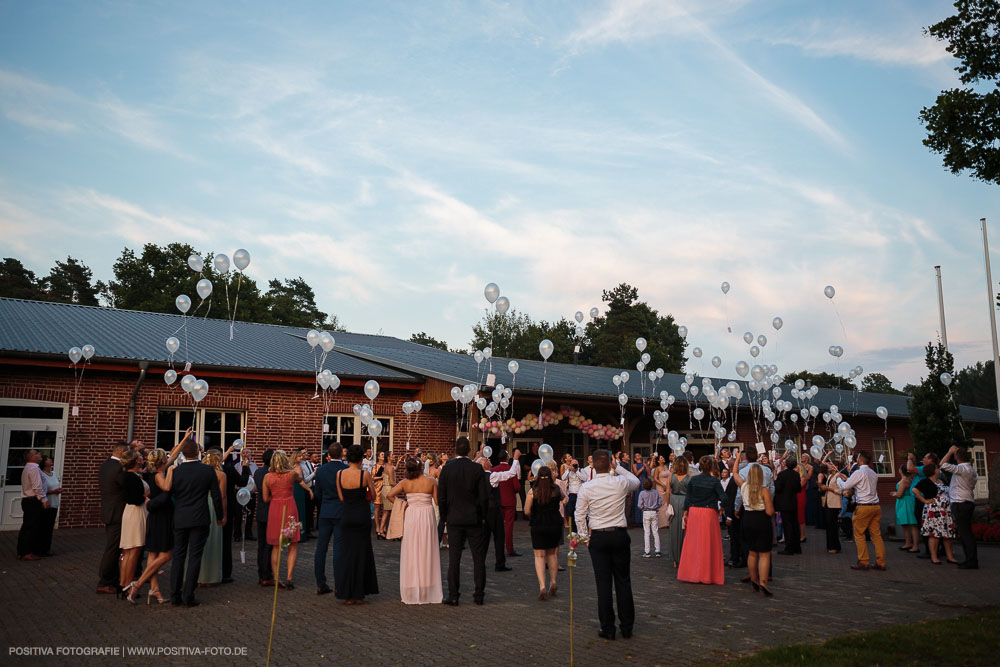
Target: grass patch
x=971 y=639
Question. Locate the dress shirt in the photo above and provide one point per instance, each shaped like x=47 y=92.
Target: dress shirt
x=31 y=482
x=649 y=500
x=865 y=482
x=768 y=475
x=575 y=478
x=600 y=503
x=963 y=482
x=367 y=465
x=308 y=472
x=504 y=475
x=587 y=472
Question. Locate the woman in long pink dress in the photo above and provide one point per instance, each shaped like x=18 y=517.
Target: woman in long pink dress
x=278 y=493
x=419 y=555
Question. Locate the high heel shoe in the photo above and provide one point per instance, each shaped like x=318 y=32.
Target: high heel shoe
x=767 y=593
x=155 y=595
x=756 y=586
x=124 y=592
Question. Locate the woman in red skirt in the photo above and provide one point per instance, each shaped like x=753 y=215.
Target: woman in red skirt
x=701 y=557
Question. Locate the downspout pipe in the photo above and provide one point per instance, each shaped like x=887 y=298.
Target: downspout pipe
x=143 y=367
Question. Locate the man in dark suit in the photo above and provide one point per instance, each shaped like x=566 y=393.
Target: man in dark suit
x=265 y=576
x=463 y=500
x=111 y=482
x=234 y=519
x=331 y=510
x=786 y=487
x=192 y=482
x=732 y=521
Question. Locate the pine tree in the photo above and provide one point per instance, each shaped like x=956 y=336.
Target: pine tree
x=935 y=421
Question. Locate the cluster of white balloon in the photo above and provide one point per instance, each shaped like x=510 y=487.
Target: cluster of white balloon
x=241 y=260
x=411 y=408
x=579 y=331
x=75 y=354
x=325 y=341
x=545 y=454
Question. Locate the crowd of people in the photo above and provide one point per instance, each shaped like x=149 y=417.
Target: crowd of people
x=187 y=506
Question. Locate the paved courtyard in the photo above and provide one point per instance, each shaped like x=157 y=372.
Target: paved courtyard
x=51 y=603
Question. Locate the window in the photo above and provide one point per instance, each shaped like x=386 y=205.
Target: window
x=30 y=412
x=20 y=442
x=577 y=444
x=215 y=429
x=348 y=430
x=882 y=457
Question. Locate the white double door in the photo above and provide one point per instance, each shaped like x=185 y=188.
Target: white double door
x=16 y=439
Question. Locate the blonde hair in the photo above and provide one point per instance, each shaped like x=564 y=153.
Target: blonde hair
x=155 y=459
x=680 y=466
x=279 y=462
x=213 y=457
x=552 y=465
x=755 y=482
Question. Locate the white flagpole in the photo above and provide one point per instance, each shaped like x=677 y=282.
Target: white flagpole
x=992 y=306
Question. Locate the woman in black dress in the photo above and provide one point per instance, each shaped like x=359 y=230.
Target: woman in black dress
x=159 y=524
x=356 y=577
x=542 y=506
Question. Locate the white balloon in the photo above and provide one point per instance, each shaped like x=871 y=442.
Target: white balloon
x=356 y=409
x=187 y=382
x=487 y=451
x=762 y=340
x=199 y=390
x=742 y=368
x=625 y=376
x=622 y=399
x=946 y=379
x=640 y=343
x=659 y=373
x=716 y=361
x=754 y=351
x=882 y=412
x=578 y=316
x=491 y=292
x=170 y=376
x=173 y=344
x=204 y=288
x=241 y=258
x=698 y=414
x=478 y=356
x=417 y=406
x=682 y=331
x=777 y=323
x=374 y=428
x=545 y=453
x=747 y=337
x=366 y=415
x=645 y=357
x=196 y=263
x=327 y=341
x=502 y=305
x=334 y=383
x=87 y=351
x=696 y=352
x=456 y=393
x=757 y=373
x=829 y=291
x=183 y=303
x=545 y=348
x=221 y=263
x=639 y=366
x=312 y=337
x=513 y=367
x=725 y=288
x=594 y=312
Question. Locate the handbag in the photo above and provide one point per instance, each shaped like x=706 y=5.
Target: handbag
x=670 y=514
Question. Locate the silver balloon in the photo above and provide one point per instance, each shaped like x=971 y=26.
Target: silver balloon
x=87 y=351
x=312 y=337
x=640 y=343
x=742 y=368
x=241 y=258
x=243 y=496
x=725 y=288
x=545 y=348
x=545 y=453
x=882 y=412
x=502 y=305
x=622 y=399
x=187 y=382
x=170 y=376
x=327 y=341
x=946 y=379
x=762 y=340
x=829 y=291
x=487 y=451
x=747 y=337
x=221 y=263
x=173 y=344
x=199 y=390
x=682 y=331
x=716 y=361
x=578 y=316
x=375 y=428
x=478 y=356
x=696 y=352
x=513 y=367
x=491 y=292
x=777 y=323
x=183 y=303
x=196 y=263
x=204 y=288
x=594 y=312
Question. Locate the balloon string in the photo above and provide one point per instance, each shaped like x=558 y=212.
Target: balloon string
x=961 y=425
x=545 y=370
x=236 y=305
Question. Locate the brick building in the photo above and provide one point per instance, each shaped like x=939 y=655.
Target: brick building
x=263 y=390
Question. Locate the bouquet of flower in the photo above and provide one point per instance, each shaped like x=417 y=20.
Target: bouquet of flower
x=288 y=532
x=575 y=539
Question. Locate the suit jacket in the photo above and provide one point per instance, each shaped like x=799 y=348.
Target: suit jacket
x=786 y=486
x=508 y=487
x=463 y=496
x=193 y=482
x=111 y=480
x=258 y=479
x=325 y=480
x=731 y=491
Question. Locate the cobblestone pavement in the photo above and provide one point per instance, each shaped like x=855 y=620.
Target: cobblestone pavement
x=52 y=603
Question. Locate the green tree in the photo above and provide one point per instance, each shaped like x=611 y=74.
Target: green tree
x=963 y=125
x=152 y=280
x=70 y=282
x=878 y=384
x=504 y=333
x=17 y=282
x=821 y=380
x=424 y=339
x=935 y=421
x=293 y=303
x=611 y=337
x=976 y=386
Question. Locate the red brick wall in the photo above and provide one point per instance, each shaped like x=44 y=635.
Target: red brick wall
x=279 y=415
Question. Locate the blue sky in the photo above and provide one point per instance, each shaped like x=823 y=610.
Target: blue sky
x=401 y=155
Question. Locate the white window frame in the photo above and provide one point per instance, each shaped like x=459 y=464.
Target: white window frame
x=890 y=457
x=199 y=433
x=982 y=490
x=359 y=436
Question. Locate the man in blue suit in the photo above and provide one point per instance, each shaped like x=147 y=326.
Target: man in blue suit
x=331 y=511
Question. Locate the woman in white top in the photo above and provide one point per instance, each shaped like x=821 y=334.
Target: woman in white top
x=756 y=521
x=53 y=491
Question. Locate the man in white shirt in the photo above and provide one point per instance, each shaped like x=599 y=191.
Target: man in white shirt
x=863 y=484
x=574 y=478
x=962 y=492
x=33 y=504
x=600 y=512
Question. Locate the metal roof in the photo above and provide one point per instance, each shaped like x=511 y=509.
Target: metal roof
x=52 y=328
x=42 y=328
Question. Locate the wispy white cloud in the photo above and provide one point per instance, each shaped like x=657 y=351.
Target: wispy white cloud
x=126 y=220
x=823 y=40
